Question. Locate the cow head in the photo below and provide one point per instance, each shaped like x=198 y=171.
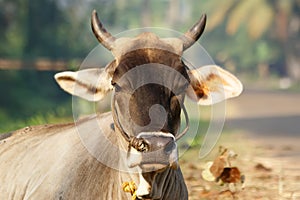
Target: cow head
x=150 y=81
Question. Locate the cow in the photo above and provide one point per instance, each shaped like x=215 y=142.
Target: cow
x=92 y=157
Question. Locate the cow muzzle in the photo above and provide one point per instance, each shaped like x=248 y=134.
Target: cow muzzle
x=153 y=151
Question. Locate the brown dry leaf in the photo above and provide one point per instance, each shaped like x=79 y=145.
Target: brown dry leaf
x=261 y=167
x=226 y=194
x=219 y=163
x=206 y=173
x=208 y=194
x=192 y=166
x=230 y=175
x=221 y=170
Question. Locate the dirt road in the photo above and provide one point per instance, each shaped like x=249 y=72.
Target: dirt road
x=265 y=114
x=266 y=137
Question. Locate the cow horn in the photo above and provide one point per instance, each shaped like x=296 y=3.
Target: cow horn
x=192 y=35
x=104 y=37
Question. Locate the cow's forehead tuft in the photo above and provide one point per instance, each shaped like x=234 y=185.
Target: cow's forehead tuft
x=148 y=57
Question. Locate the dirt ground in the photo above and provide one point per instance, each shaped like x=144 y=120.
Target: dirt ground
x=265 y=133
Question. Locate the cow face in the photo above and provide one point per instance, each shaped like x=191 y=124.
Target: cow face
x=150 y=81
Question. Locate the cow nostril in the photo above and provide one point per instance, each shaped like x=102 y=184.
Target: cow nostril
x=169 y=147
x=139 y=144
x=142 y=147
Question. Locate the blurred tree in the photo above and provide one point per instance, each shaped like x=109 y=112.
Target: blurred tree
x=29 y=94
x=43 y=21
x=11 y=26
x=270 y=20
x=43 y=28
x=258 y=33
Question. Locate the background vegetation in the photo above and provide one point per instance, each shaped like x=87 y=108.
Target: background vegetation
x=257 y=38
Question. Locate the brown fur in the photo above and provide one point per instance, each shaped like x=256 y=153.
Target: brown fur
x=144 y=97
x=148 y=55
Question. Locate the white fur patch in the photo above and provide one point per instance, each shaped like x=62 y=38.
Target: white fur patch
x=173 y=159
x=144 y=187
x=134 y=157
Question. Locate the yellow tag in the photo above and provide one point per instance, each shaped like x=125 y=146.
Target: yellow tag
x=131 y=188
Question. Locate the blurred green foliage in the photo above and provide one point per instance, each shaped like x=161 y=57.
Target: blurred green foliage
x=241 y=35
x=30 y=98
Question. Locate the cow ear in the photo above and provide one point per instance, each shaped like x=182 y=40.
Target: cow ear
x=211 y=84
x=90 y=84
